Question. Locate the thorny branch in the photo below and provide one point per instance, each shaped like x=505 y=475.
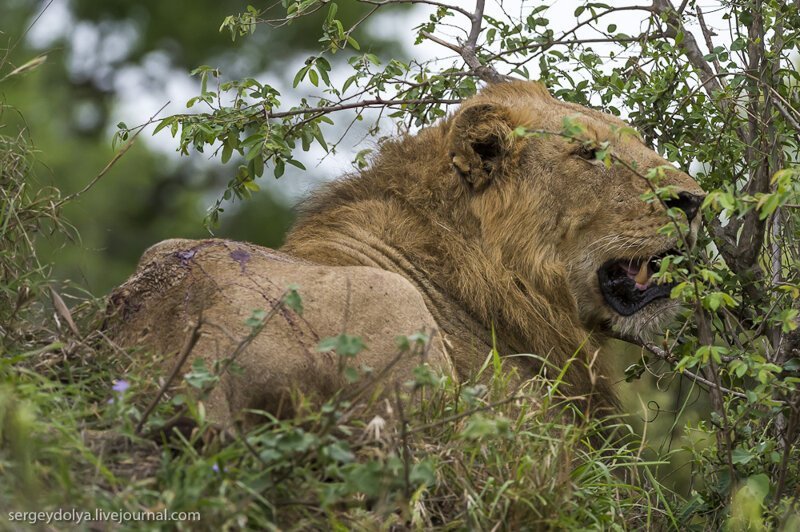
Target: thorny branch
x=668 y=357
x=741 y=240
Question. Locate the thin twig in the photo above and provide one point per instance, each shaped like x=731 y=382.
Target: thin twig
x=382 y=3
x=672 y=359
x=113 y=161
x=404 y=439
x=468 y=49
x=358 y=104
x=186 y=350
x=707 y=36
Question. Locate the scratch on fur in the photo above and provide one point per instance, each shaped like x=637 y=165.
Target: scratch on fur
x=288 y=316
x=241 y=256
x=186 y=256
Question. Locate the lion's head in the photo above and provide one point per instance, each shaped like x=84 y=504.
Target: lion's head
x=528 y=235
x=546 y=203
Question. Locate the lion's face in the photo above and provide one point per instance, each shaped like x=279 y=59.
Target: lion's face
x=558 y=217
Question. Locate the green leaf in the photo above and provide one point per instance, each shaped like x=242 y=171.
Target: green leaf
x=423 y=473
x=352 y=42
x=300 y=75
x=340 y=452
x=365 y=478
x=317 y=133
x=768 y=203
x=349 y=81
x=200 y=377
x=296 y=163
x=227 y=151
x=738 y=368
x=161 y=125
x=350 y=374
x=323 y=65
x=254 y=152
x=331 y=12
x=741 y=456
x=293 y=300
x=256 y=319
x=280 y=168
x=759 y=484
x=788 y=319
x=325 y=79
x=345 y=345
x=257 y=166
x=479 y=427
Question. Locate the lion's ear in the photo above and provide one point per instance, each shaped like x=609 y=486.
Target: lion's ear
x=480 y=140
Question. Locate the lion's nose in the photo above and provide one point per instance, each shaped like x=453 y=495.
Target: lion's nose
x=687 y=202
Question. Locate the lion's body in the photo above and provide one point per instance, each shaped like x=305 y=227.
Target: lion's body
x=222 y=282
x=477 y=229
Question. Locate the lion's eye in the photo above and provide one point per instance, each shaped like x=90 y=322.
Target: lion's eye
x=587 y=151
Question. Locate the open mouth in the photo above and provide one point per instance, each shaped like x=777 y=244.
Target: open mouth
x=627 y=284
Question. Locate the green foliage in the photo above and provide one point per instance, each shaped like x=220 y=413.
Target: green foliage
x=344 y=345
x=466 y=456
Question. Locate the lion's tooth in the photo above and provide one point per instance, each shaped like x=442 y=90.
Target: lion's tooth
x=643 y=275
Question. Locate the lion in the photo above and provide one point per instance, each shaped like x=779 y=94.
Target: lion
x=482 y=237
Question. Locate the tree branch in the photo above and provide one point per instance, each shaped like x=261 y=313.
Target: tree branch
x=740 y=241
x=668 y=357
x=457 y=9
x=468 y=49
x=477 y=22
x=375 y=102
x=689 y=45
x=183 y=355
x=707 y=36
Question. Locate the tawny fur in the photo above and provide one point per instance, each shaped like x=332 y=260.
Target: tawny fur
x=493 y=230
x=520 y=251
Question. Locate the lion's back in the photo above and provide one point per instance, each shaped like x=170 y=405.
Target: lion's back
x=222 y=283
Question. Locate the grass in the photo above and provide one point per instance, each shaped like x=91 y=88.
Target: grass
x=442 y=456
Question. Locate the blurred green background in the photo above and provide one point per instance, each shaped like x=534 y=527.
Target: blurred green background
x=114 y=60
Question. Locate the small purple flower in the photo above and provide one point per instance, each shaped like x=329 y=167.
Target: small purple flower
x=215 y=468
x=120 y=386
